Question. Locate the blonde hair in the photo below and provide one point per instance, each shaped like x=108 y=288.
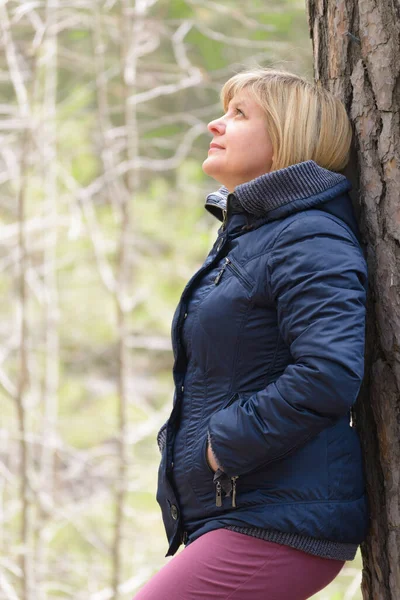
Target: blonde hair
x=304 y=120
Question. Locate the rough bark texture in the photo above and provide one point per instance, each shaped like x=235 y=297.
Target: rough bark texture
x=357 y=56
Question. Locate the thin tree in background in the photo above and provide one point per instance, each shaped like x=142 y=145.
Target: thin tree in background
x=18 y=390
x=47 y=142
x=131 y=27
x=357 y=55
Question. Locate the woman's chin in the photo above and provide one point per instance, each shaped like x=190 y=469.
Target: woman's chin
x=210 y=168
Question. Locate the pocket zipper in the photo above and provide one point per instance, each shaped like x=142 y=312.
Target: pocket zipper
x=235 y=270
x=233 y=479
x=230 y=489
x=220 y=273
x=218 y=495
x=238 y=273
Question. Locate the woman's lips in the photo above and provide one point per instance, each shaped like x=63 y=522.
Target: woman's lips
x=215 y=147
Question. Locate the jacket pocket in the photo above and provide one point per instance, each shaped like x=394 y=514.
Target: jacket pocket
x=237 y=271
x=215 y=488
x=230 y=400
x=200 y=475
x=205 y=457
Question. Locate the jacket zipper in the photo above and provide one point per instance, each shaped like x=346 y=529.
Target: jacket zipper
x=232 y=491
x=225 y=214
x=220 y=273
x=218 y=495
x=238 y=273
x=218 y=484
x=230 y=265
x=233 y=479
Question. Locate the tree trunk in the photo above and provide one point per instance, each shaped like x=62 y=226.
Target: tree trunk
x=356 y=47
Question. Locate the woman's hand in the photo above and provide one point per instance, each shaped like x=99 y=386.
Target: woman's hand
x=210 y=459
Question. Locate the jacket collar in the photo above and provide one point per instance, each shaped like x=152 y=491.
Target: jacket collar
x=279 y=193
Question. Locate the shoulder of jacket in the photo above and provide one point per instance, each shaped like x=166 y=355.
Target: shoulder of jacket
x=309 y=222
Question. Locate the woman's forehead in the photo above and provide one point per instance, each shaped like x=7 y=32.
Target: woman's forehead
x=242 y=94
x=240 y=98
x=246 y=100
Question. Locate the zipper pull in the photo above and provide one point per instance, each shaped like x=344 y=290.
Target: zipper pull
x=218 y=497
x=218 y=277
x=225 y=213
x=233 y=479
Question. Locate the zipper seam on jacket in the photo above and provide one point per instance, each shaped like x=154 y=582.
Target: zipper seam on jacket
x=235 y=269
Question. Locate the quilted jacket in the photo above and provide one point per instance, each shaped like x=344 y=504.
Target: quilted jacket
x=268 y=340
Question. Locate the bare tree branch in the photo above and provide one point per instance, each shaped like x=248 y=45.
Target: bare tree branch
x=242 y=42
x=12 y=60
x=164 y=90
x=234 y=13
x=6 y=587
x=51 y=308
x=22 y=385
x=149 y=164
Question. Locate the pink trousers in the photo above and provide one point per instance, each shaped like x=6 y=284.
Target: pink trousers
x=226 y=565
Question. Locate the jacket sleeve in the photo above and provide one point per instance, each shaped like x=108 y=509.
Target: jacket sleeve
x=317 y=278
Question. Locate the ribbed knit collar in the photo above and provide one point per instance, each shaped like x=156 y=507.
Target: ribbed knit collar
x=279 y=193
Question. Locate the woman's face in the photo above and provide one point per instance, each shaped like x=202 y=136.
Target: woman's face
x=241 y=148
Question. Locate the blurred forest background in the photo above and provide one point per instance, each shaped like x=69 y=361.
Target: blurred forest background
x=103 y=113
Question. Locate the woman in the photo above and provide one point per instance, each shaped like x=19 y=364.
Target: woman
x=261 y=476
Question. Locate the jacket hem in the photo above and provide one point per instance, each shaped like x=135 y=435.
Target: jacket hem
x=310 y=545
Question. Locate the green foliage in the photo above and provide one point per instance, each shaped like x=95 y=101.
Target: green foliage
x=207 y=51
x=92 y=421
x=164 y=131
x=280 y=21
x=179 y=9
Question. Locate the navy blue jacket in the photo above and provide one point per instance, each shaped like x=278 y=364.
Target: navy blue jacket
x=268 y=339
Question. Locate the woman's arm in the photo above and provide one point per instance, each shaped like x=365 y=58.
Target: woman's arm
x=318 y=279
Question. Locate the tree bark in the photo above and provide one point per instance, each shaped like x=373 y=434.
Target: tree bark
x=356 y=46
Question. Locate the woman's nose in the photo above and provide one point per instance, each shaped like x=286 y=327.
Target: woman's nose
x=217 y=126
